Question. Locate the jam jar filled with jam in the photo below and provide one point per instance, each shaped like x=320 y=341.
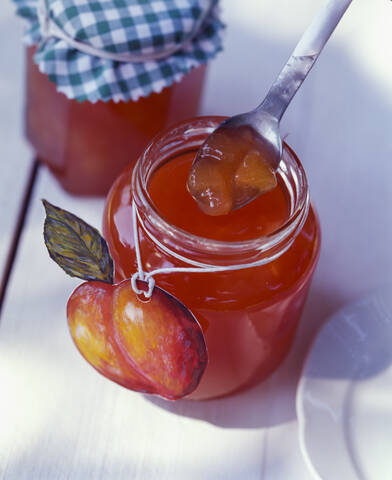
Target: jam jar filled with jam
x=248 y=312
x=103 y=78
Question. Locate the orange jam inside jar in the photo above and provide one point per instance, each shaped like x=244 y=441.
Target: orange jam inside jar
x=86 y=145
x=249 y=316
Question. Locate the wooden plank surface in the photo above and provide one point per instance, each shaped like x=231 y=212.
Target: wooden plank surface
x=15 y=162
x=61 y=420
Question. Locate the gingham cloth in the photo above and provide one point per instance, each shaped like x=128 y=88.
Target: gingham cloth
x=142 y=28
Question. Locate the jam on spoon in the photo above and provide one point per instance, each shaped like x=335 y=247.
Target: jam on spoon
x=230 y=171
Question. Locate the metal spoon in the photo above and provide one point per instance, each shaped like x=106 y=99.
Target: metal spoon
x=261 y=125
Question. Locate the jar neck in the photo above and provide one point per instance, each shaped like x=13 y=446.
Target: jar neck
x=187 y=137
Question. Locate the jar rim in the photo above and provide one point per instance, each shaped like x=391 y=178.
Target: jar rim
x=194 y=132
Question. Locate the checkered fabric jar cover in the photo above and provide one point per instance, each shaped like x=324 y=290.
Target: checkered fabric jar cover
x=120 y=49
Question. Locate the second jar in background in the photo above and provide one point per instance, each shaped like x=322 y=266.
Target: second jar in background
x=86 y=145
x=103 y=78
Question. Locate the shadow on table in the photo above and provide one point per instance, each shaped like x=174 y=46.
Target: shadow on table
x=356 y=342
x=271 y=402
x=265 y=405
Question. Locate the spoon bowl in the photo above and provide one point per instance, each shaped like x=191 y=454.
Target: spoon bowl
x=236 y=163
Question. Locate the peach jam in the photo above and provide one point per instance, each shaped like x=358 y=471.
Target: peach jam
x=249 y=316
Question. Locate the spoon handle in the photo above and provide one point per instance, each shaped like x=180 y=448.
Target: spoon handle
x=303 y=58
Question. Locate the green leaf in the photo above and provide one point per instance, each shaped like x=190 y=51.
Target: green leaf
x=75 y=246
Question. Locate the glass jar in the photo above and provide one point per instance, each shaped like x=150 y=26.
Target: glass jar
x=86 y=145
x=248 y=316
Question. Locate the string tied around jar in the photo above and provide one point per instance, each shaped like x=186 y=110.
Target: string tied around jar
x=120 y=50
x=50 y=29
x=148 y=277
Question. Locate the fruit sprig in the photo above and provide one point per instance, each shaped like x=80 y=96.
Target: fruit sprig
x=154 y=346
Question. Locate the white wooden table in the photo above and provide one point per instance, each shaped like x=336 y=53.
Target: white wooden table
x=61 y=420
